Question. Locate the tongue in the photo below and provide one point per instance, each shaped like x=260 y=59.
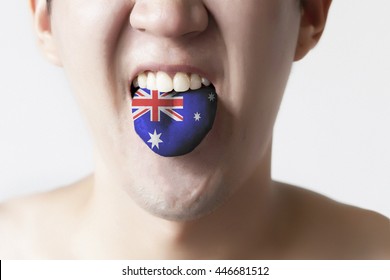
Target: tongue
x=174 y=124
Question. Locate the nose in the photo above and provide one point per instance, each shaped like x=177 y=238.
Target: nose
x=169 y=18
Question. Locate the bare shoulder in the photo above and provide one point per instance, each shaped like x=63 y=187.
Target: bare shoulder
x=31 y=224
x=327 y=229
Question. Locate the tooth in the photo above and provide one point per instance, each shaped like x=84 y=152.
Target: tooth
x=196 y=81
x=163 y=82
x=135 y=82
x=142 y=80
x=205 y=82
x=181 y=82
x=151 y=81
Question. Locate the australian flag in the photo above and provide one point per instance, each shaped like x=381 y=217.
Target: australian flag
x=173 y=124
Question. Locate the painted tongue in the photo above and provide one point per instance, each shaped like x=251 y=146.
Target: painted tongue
x=174 y=124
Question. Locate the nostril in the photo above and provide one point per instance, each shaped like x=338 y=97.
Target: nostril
x=167 y=18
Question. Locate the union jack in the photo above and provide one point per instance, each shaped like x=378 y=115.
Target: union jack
x=155 y=102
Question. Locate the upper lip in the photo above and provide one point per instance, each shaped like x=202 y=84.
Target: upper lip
x=171 y=69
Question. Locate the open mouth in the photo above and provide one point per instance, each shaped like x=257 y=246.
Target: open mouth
x=172 y=114
x=163 y=82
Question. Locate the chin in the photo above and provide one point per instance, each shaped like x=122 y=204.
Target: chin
x=181 y=209
x=181 y=199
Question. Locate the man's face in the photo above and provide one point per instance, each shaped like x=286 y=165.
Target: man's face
x=245 y=48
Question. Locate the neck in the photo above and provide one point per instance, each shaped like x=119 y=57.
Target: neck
x=126 y=231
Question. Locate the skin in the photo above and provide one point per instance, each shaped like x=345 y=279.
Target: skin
x=218 y=202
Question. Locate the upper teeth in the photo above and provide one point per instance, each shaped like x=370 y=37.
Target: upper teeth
x=163 y=82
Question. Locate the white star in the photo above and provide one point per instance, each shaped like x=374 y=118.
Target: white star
x=211 y=97
x=197 y=116
x=155 y=139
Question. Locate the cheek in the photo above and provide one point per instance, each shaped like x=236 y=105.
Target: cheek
x=260 y=41
x=86 y=33
x=88 y=30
